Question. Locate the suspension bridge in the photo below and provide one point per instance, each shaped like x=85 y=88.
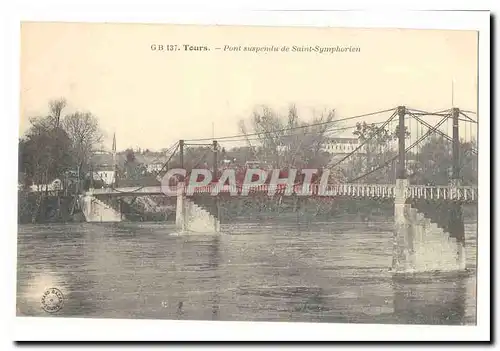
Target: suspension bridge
x=428 y=218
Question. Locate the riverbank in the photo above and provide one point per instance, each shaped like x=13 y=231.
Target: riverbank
x=62 y=209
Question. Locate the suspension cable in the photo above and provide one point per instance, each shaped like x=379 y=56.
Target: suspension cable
x=367 y=140
x=470 y=119
x=294 y=128
x=329 y=131
x=307 y=133
x=168 y=150
x=467 y=111
x=174 y=145
x=444 y=135
x=157 y=173
x=441 y=115
x=166 y=163
x=395 y=157
x=445 y=112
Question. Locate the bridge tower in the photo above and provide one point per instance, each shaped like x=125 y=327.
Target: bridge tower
x=403 y=249
x=181 y=153
x=199 y=215
x=115 y=164
x=428 y=236
x=456 y=220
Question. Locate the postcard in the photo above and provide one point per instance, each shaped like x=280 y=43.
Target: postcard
x=237 y=173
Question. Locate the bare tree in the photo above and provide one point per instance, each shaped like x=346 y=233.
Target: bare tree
x=84 y=132
x=286 y=141
x=52 y=120
x=48 y=143
x=45 y=151
x=56 y=108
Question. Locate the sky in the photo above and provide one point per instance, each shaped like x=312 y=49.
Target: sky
x=151 y=99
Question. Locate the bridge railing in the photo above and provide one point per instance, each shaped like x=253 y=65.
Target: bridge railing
x=127 y=190
x=461 y=193
x=361 y=190
x=343 y=189
x=355 y=190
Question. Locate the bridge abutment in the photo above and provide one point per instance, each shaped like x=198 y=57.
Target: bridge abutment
x=192 y=217
x=403 y=256
x=456 y=226
x=96 y=210
x=180 y=212
x=421 y=242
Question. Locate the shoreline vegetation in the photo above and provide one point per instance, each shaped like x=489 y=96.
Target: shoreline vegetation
x=62 y=210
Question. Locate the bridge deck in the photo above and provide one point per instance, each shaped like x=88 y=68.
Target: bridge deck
x=387 y=191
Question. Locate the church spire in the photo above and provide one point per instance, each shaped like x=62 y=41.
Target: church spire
x=113 y=148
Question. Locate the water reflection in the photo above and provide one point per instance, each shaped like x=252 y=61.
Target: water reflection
x=322 y=273
x=51 y=268
x=213 y=263
x=431 y=301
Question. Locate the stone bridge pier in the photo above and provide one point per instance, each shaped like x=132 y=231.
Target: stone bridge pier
x=425 y=239
x=99 y=211
x=194 y=217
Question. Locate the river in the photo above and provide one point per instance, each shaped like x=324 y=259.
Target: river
x=321 y=272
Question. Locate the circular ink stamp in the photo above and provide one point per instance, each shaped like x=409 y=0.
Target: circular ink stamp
x=52 y=300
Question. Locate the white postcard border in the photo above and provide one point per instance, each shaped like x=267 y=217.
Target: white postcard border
x=30 y=328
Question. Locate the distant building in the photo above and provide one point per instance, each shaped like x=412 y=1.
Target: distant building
x=55 y=185
x=152 y=162
x=342 y=145
x=104 y=165
x=106 y=174
x=154 y=167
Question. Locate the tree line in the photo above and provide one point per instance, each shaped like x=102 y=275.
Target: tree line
x=58 y=145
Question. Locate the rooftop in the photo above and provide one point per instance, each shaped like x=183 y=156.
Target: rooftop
x=342 y=140
x=106 y=159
